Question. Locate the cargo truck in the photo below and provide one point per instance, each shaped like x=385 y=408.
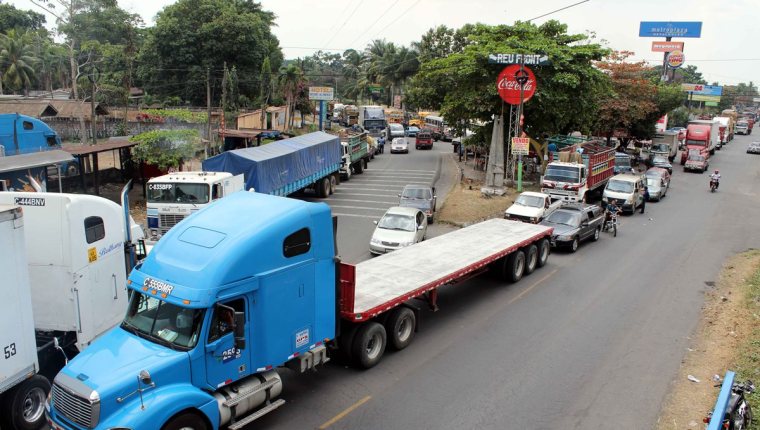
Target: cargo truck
x=701 y=135
x=726 y=128
x=356 y=154
x=349 y=116
x=372 y=120
x=664 y=145
x=578 y=170
x=64 y=264
x=220 y=305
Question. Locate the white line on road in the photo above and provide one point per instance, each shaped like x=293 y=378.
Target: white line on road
x=356 y=215
x=378 y=190
x=371 y=195
x=391 y=202
x=361 y=208
x=385 y=181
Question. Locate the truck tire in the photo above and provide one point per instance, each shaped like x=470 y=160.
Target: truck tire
x=369 y=345
x=515 y=266
x=323 y=188
x=24 y=406
x=544 y=249
x=333 y=183
x=186 y=421
x=531 y=258
x=359 y=167
x=400 y=327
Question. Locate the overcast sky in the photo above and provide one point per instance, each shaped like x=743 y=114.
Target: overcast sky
x=728 y=51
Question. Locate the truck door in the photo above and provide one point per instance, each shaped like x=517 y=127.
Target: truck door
x=224 y=362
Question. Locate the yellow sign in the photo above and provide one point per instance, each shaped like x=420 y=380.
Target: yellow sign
x=520 y=145
x=92 y=254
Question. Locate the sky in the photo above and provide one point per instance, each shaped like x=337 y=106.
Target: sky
x=728 y=50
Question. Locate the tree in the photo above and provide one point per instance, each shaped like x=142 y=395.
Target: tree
x=193 y=35
x=18 y=61
x=291 y=79
x=463 y=85
x=12 y=18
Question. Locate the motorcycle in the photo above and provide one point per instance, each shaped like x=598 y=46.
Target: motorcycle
x=610 y=222
x=738 y=413
x=713 y=185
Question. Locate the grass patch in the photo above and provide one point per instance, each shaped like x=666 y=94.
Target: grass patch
x=748 y=358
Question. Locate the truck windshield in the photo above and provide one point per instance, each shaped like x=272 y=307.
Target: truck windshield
x=693 y=142
x=374 y=124
x=178 y=193
x=562 y=174
x=660 y=147
x=162 y=322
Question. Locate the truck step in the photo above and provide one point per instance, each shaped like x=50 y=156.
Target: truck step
x=248 y=393
x=256 y=415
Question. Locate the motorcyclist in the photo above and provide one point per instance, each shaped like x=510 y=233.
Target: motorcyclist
x=715 y=177
x=610 y=211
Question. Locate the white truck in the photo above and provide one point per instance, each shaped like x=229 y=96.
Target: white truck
x=63 y=264
x=173 y=197
x=664 y=144
x=531 y=207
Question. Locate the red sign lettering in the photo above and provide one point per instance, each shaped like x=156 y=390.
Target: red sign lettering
x=509 y=87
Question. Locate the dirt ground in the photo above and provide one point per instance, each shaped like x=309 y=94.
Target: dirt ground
x=465 y=204
x=716 y=345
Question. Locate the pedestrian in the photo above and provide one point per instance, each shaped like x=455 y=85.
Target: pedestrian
x=461 y=150
x=644 y=200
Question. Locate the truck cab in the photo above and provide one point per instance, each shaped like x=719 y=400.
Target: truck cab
x=173 y=197
x=700 y=136
x=214 y=309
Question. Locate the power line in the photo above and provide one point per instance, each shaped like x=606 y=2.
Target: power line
x=359 y=3
x=558 y=10
x=394 y=21
x=373 y=24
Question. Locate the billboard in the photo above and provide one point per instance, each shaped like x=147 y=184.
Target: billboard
x=667 y=46
x=670 y=29
x=321 y=93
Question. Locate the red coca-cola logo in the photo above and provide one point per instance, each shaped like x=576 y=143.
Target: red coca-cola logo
x=508 y=84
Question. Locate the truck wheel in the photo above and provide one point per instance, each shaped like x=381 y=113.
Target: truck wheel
x=515 y=266
x=544 y=248
x=359 y=167
x=333 y=183
x=324 y=188
x=24 y=405
x=72 y=170
x=531 y=258
x=346 y=342
x=186 y=421
x=369 y=345
x=400 y=327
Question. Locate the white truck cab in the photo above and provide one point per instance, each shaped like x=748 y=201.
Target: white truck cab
x=175 y=196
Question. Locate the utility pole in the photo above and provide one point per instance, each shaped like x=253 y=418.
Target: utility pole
x=208 y=109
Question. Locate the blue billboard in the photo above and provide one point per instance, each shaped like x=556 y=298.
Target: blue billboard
x=670 y=29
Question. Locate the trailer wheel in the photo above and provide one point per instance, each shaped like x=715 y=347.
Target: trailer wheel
x=186 y=421
x=323 y=188
x=369 y=345
x=400 y=327
x=515 y=266
x=24 y=406
x=531 y=258
x=544 y=249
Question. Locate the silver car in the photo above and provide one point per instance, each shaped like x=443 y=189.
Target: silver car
x=398 y=228
x=399 y=144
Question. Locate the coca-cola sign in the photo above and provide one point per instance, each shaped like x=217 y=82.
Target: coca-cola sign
x=508 y=84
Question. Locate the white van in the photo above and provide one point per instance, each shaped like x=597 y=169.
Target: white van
x=395 y=130
x=626 y=190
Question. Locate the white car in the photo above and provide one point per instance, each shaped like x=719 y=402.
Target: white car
x=399 y=144
x=532 y=207
x=398 y=228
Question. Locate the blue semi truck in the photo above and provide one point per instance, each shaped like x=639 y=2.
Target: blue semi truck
x=221 y=306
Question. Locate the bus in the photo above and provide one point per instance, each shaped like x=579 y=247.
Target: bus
x=438 y=127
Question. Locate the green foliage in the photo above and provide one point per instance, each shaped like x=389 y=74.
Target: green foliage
x=678 y=117
x=165 y=148
x=191 y=36
x=17 y=59
x=182 y=115
x=12 y=18
x=459 y=81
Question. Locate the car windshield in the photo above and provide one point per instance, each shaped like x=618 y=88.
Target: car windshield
x=397 y=127
x=620 y=186
x=659 y=160
x=564 y=218
x=654 y=182
x=178 y=193
x=163 y=322
x=416 y=193
x=562 y=174
x=399 y=141
x=533 y=201
x=742 y=124
x=397 y=222
x=660 y=147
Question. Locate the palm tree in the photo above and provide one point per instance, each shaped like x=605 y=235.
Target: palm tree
x=17 y=59
x=290 y=79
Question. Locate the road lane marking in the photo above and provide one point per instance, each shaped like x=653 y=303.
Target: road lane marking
x=345 y=412
x=534 y=285
x=351 y=191
x=361 y=208
x=357 y=215
x=384 y=181
x=392 y=203
x=370 y=195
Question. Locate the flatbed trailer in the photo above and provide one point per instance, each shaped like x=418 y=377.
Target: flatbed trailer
x=375 y=286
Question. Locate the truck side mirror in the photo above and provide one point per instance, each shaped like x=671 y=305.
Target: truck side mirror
x=239 y=330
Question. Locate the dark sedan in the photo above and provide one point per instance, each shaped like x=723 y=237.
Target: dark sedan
x=421 y=197
x=574 y=224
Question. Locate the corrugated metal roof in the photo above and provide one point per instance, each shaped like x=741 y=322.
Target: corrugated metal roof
x=35 y=159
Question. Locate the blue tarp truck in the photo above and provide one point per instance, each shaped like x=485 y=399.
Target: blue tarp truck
x=220 y=308
x=283 y=167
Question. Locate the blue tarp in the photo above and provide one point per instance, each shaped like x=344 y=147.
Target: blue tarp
x=284 y=166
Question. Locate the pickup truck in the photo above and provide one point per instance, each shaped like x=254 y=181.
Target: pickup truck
x=532 y=207
x=573 y=224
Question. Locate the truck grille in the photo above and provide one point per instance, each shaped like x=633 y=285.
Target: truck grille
x=168 y=221
x=75 y=408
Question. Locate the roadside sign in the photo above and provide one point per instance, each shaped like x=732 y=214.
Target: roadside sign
x=670 y=29
x=713 y=104
x=660 y=46
x=756 y=100
x=703 y=98
x=527 y=59
x=509 y=88
x=520 y=145
x=321 y=93
x=676 y=59
x=703 y=93
x=397 y=101
x=692 y=87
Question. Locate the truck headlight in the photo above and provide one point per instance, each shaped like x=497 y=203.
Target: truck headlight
x=604 y=199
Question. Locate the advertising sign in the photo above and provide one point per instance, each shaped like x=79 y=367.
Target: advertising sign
x=703 y=98
x=397 y=101
x=670 y=29
x=321 y=93
x=667 y=46
x=703 y=93
x=509 y=87
x=520 y=145
x=527 y=59
x=676 y=59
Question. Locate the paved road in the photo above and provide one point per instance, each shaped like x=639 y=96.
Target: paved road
x=365 y=198
x=591 y=341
